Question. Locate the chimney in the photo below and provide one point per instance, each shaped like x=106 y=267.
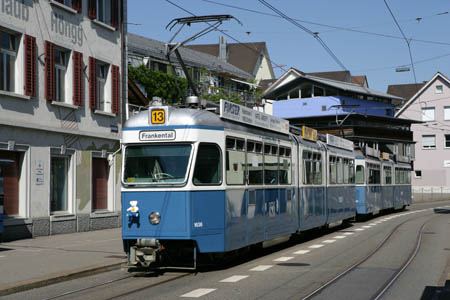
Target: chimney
x=222 y=48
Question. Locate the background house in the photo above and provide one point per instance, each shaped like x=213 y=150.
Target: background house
x=211 y=74
x=60 y=114
x=429 y=104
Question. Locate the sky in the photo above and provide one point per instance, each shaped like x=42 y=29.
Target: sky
x=361 y=34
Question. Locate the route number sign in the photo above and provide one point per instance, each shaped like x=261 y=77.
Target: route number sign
x=158 y=116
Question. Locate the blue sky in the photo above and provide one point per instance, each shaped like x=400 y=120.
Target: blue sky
x=372 y=45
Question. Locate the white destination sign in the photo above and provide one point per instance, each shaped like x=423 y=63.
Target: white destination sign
x=242 y=114
x=339 y=142
x=166 y=135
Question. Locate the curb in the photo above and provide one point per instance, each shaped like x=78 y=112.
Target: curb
x=58 y=277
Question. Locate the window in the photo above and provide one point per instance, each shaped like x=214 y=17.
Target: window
x=285 y=166
x=428 y=114
x=312 y=166
x=235 y=161
x=104 y=90
x=429 y=141
x=270 y=164
x=9 y=182
x=374 y=174
x=387 y=175
x=105 y=11
x=447 y=141
x=59 y=181
x=254 y=163
x=418 y=174
x=8 y=54
x=208 y=166
x=447 y=113
x=333 y=170
x=100 y=174
x=60 y=74
x=439 y=89
x=359 y=178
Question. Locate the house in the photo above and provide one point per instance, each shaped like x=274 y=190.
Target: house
x=431 y=180
x=331 y=103
x=253 y=58
x=61 y=110
x=210 y=73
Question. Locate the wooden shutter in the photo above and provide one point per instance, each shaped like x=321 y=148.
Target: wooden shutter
x=115 y=13
x=115 y=90
x=92 y=83
x=50 y=88
x=11 y=183
x=77 y=78
x=77 y=5
x=30 y=65
x=92 y=9
x=99 y=183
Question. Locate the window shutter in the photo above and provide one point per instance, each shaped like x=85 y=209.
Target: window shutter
x=30 y=65
x=115 y=90
x=77 y=5
x=115 y=13
x=92 y=10
x=77 y=78
x=50 y=88
x=92 y=83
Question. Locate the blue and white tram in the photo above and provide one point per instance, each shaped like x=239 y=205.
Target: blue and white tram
x=402 y=188
x=197 y=182
x=368 y=184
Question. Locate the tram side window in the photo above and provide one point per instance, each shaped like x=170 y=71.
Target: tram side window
x=307 y=168
x=333 y=170
x=374 y=174
x=346 y=171
x=285 y=166
x=387 y=175
x=235 y=161
x=270 y=164
x=351 y=172
x=254 y=163
x=359 y=178
x=340 y=169
x=208 y=165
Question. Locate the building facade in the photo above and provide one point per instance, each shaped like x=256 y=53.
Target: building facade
x=431 y=175
x=61 y=98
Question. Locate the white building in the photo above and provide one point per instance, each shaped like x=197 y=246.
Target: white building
x=61 y=99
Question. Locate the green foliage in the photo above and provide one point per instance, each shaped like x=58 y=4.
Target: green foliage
x=220 y=93
x=158 y=84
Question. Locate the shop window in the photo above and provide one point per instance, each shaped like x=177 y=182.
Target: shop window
x=59 y=184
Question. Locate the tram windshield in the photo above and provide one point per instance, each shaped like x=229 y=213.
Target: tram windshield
x=153 y=164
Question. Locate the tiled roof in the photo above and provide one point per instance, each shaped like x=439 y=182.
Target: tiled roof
x=404 y=90
x=242 y=55
x=265 y=83
x=343 y=76
x=359 y=79
x=149 y=47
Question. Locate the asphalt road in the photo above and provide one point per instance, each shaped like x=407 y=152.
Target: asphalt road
x=295 y=270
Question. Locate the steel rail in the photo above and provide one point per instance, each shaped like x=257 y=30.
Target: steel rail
x=367 y=257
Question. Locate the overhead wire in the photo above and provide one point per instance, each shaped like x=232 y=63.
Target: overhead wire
x=229 y=36
x=314 y=34
x=331 y=26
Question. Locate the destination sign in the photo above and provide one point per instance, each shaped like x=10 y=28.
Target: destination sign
x=160 y=135
x=245 y=115
x=339 y=142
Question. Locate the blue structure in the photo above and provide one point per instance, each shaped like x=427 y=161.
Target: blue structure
x=329 y=106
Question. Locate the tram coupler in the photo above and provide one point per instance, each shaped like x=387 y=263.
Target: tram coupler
x=145 y=252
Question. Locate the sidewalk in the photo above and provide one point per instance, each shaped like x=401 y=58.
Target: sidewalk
x=41 y=261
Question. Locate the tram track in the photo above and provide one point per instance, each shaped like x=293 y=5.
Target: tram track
x=388 y=283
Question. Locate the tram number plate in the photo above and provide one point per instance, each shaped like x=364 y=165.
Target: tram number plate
x=158 y=116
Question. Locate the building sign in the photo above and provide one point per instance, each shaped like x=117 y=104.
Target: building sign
x=339 y=142
x=160 y=135
x=245 y=115
x=67 y=29
x=39 y=171
x=15 y=8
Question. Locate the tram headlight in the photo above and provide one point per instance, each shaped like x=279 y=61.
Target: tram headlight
x=154 y=218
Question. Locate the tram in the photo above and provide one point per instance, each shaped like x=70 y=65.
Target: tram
x=197 y=182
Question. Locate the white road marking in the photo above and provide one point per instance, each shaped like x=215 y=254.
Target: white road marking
x=261 y=268
x=316 y=246
x=2 y=256
x=234 y=278
x=197 y=293
x=302 y=251
x=360 y=229
x=339 y=237
x=367 y=226
x=284 y=258
x=372 y=224
x=329 y=241
x=349 y=233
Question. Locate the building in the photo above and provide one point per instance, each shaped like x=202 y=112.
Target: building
x=333 y=104
x=61 y=108
x=211 y=74
x=431 y=175
x=253 y=58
